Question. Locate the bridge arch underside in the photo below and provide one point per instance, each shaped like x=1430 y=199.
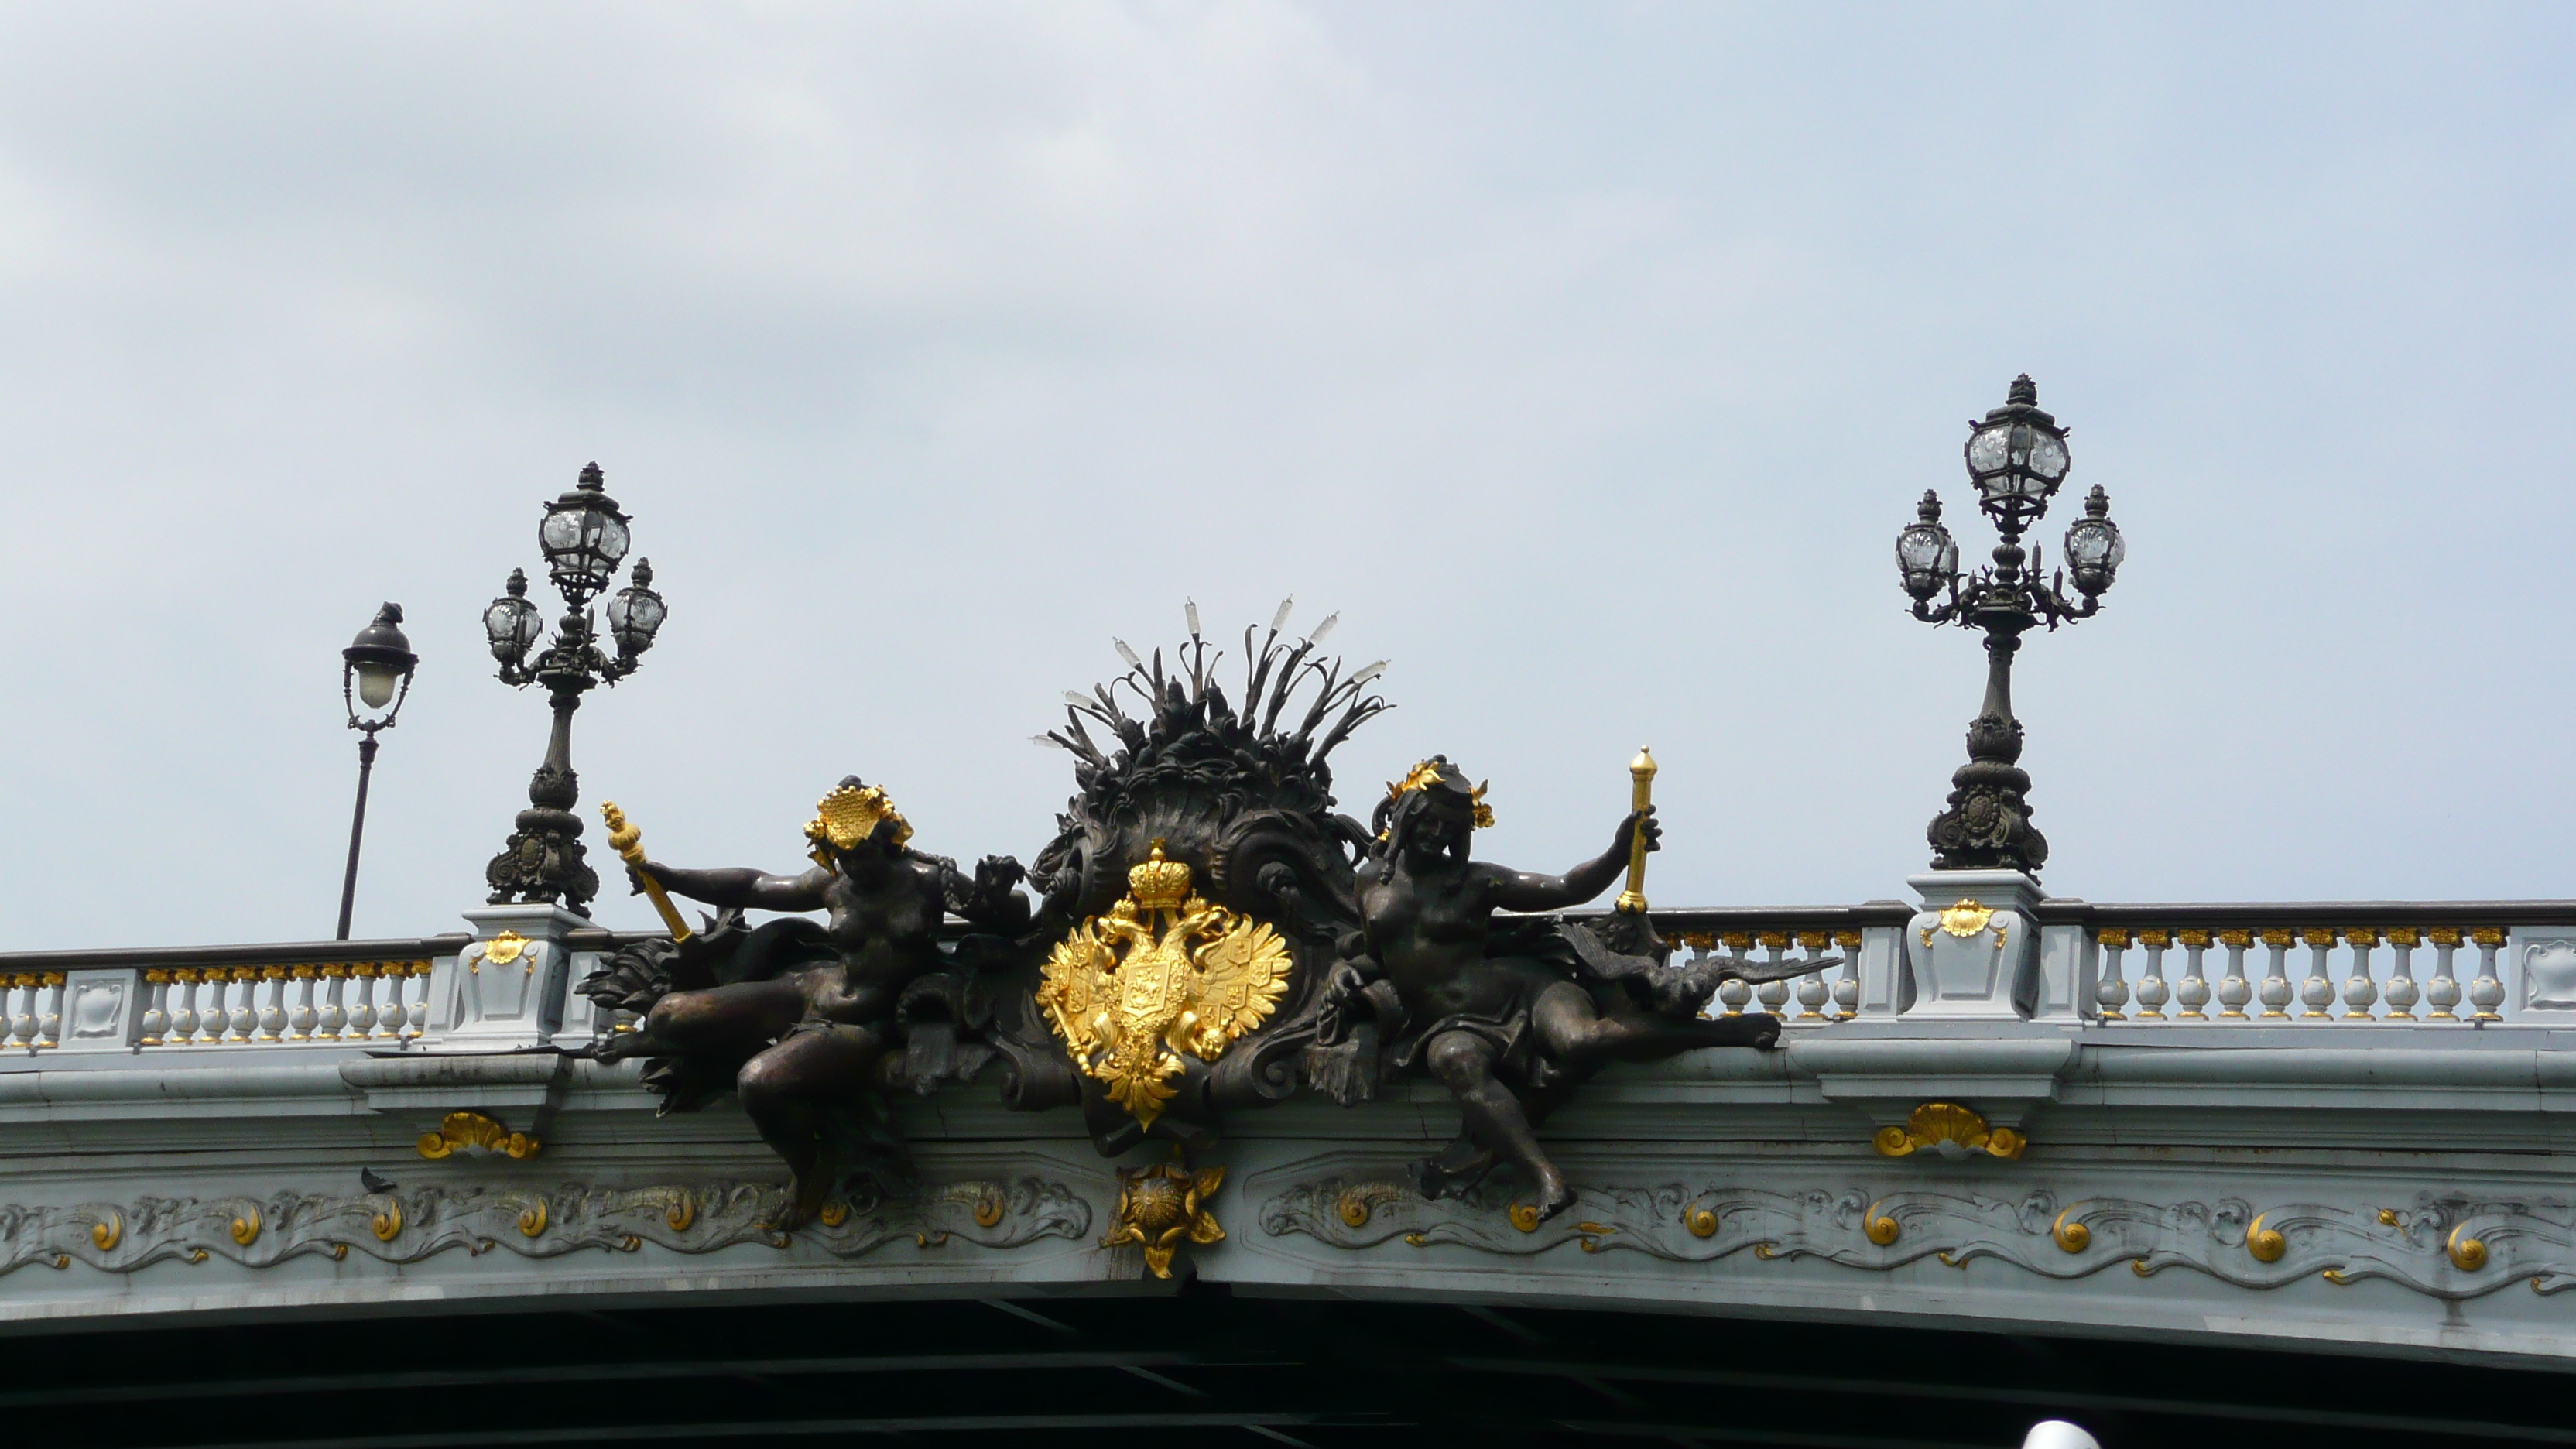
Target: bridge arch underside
x=1194 y=1362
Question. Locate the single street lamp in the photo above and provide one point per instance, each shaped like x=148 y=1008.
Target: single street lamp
x=375 y=671
x=584 y=537
x=2017 y=459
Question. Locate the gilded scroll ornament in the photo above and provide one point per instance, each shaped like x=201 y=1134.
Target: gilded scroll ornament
x=473 y=1129
x=1158 y=1206
x=1162 y=979
x=410 y=1226
x=1951 y=1129
x=501 y=950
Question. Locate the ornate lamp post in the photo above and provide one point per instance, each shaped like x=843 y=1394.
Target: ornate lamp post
x=584 y=538
x=2017 y=458
x=375 y=670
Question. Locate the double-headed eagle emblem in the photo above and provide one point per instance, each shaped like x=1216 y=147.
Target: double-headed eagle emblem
x=1163 y=977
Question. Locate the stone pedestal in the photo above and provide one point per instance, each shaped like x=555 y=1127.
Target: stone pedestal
x=1972 y=948
x=505 y=990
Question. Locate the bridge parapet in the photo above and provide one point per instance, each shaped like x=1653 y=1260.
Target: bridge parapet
x=2360 y=1169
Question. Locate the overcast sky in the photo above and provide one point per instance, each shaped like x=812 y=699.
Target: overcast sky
x=1586 y=359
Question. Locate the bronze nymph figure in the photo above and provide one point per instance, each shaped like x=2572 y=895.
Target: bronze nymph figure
x=1510 y=1016
x=810 y=1023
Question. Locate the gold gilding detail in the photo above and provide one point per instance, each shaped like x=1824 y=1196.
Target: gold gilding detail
x=834 y=1213
x=1524 y=1216
x=387 y=1224
x=2404 y=936
x=1966 y=918
x=2487 y=936
x=2237 y=938
x=501 y=950
x=2072 y=1237
x=1354 y=1210
x=1162 y=979
x=1934 y=1123
x=1427 y=774
x=1879 y=1227
x=2266 y=1244
x=246 y=1226
x=1159 y=1206
x=2467 y=1254
x=851 y=814
x=473 y=1129
x=2443 y=936
x=628 y=842
x=1701 y=1222
x=2112 y=936
x=108 y=1231
x=1765 y=1251
x=987 y=1211
x=2155 y=940
x=1641 y=795
x=682 y=1212
x=532 y=1218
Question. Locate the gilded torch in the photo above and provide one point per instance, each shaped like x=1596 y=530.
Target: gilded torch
x=628 y=842
x=1642 y=771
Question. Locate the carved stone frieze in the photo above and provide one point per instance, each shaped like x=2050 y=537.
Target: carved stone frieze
x=406 y=1226
x=2444 y=1246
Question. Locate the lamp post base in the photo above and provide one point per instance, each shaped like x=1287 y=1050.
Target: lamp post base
x=543 y=863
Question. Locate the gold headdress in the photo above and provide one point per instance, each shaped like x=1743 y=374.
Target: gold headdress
x=1427 y=774
x=851 y=814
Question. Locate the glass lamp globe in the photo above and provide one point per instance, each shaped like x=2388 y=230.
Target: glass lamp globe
x=635 y=615
x=379 y=660
x=1927 y=557
x=2017 y=458
x=584 y=537
x=510 y=622
x=2094 y=547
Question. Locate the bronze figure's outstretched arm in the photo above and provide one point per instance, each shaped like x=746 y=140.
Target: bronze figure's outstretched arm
x=743 y=887
x=1520 y=890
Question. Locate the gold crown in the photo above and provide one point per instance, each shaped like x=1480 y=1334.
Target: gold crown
x=1426 y=775
x=1159 y=884
x=851 y=814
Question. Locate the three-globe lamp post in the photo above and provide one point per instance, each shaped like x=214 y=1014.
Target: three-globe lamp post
x=2017 y=459
x=584 y=538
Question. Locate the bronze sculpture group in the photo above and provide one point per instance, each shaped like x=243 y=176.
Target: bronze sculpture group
x=1209 y=936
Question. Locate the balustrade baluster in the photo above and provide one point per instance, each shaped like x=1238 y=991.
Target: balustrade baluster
x=22 y=1010
x=2487 y=992
x=245 y=1016
x=333 y=1015
x=49 y=1009
x=2401 y=993
x=156 y=1006
x=2359 y=991
x=2192 y=992
x=2153 y=993
x=1813 y=992
x=416 y=1002
x=2443 y=991
x=302 y=1018
x=2111 y=993
x=2317 y=992
x=1774 y=995
x=2276 y=978
x=1847 y=990
x=2235 y=991
x=362 y=1008
x=183 y=997
x=272 y=1003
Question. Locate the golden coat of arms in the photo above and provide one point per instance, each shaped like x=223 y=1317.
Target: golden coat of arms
x=1163 y=977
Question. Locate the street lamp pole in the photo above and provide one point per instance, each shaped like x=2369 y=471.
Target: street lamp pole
x=2017 y=458
x=375 y=670
x=584 y=537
